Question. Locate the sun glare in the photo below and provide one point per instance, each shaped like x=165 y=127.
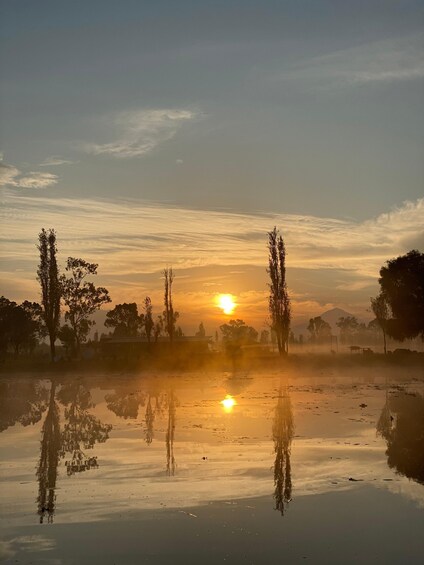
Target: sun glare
x=228 y=403
x=226 y=303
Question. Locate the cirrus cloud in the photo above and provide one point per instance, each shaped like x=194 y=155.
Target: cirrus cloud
x=141 y=131
x=54 y=161
x=12 y=176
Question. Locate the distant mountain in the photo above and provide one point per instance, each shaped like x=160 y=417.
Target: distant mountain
x=330 y=316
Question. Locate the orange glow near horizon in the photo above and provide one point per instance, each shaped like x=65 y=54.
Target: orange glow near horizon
x=226 y=303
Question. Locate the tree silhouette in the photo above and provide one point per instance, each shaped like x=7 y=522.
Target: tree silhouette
x=148 y=318
x=380 y=309
x=66 y=336
x=282 y=433
x=402 y=286
x=81 y=297
x=158 y=328
x=279 y=301
x=170 y=316
x=50 y=449
x=124 y=319
x=20 y=325
x=48 y=277
x=348 y=327
x=319 y=329
x=235 y=334
x=201 y=331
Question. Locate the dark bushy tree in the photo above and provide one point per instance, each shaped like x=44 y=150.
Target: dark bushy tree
x=348 y=328
x=67 y=338
x=235 y=334
x=81 y=297
x=124 y=320
x=20 y=325
x=319 y=329
x=402 y=286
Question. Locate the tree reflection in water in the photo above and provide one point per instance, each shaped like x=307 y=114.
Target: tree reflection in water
x=49 y=460
x=154 y=407
x=170 y=432
x=81 y=430
x=125 y=403
x=401 y=424
x=282 y=432
x=150 y=420
x=23 y=402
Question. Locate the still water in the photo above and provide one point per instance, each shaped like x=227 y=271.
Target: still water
x=296 y=467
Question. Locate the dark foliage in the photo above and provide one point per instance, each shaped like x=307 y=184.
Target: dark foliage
x=402 y=425
x=82 y=299
x=402 y=285
x=125 y=320
x=48 y=277
x=279 y=301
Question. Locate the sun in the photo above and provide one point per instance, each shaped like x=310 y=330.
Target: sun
x=228 y=403
x=226 y=303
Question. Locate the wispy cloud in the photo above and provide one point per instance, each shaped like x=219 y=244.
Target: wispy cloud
x=8 y=174
x=133 y=240
x=139 y=132
x=378 y=62
x=12 y=176
x=55 y=161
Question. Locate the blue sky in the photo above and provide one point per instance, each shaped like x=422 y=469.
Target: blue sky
x=307 y=109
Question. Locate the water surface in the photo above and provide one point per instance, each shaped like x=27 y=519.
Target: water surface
x=210 y=468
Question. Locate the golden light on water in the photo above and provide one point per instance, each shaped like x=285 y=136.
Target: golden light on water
x=228 y=403
x=226 y=303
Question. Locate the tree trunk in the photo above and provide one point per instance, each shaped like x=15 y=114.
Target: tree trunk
x=279 y=341
x=52 y=348
x=77 y=346
x=384 y=338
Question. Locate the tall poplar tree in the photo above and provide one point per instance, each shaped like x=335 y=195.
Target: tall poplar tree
x=148 y=317
x=279 y=301
x=48 y=277
x=170 y=317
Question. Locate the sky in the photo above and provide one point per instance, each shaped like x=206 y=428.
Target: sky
x=178 y=133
